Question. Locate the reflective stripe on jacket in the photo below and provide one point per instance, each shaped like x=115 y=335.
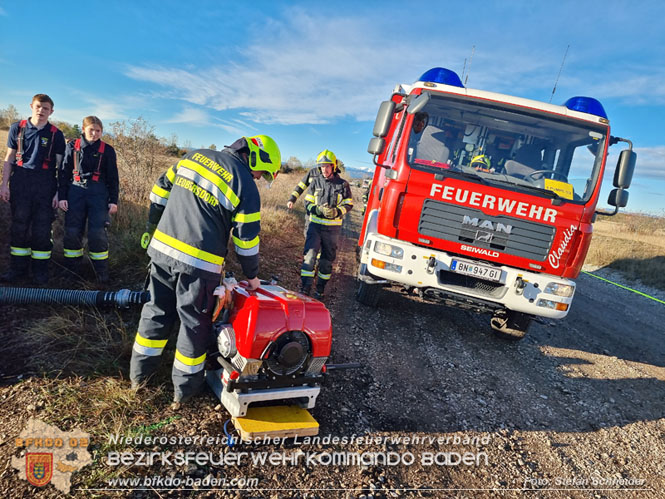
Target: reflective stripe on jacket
x=333 y=191
x=200 y=201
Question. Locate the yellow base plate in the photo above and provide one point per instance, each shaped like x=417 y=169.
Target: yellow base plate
x=278 y=421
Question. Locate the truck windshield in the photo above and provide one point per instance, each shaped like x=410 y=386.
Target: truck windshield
x=508 y=144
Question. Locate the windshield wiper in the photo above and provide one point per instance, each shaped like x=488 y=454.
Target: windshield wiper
x=556 y=199
x=471 y=176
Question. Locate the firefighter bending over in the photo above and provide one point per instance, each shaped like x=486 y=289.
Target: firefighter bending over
x=328 y=201
x=195 y=205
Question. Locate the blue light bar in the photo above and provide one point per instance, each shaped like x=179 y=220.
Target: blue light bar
x=586 y=105
x=442 y=75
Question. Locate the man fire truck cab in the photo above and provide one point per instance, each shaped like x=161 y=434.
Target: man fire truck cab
x=490 y=206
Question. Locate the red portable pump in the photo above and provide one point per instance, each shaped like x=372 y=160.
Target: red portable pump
x=273 y=346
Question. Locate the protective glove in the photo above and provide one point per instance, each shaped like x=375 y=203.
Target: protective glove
x=329 y=211
x=147 y=235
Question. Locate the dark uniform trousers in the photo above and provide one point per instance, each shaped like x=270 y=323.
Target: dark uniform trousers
x=320 y=238
x=174 y=295
x=31 y=198
x=88 y=200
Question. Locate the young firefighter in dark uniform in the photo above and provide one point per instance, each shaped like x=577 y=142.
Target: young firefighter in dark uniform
x=88 y=190
x=207 y=196
x=34 y=152
x=328 y=201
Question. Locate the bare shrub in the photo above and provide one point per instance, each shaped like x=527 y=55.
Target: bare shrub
x=138 y=151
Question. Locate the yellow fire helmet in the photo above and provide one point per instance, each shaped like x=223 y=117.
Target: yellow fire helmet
x=327 y=156
x=481 y=163
x=264 y=156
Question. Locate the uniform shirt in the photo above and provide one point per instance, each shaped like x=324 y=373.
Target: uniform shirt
x=36 y=145
x=198 y=202
x=333 y=191
x=88 y=161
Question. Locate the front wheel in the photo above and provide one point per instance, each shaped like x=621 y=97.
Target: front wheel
x=510 y=325
x=368 y=294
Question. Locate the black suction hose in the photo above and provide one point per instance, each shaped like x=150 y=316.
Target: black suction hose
x=122 y=299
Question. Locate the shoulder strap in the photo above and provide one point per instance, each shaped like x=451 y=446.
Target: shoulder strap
x=21 y=136
x=47 y=160
x=100 y=150
x=75 y=156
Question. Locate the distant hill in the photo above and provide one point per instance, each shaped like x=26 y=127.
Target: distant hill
x=357 y=172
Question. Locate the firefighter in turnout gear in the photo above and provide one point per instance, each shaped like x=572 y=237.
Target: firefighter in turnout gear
x=328 y=201
x=195 y=205
x=88 y=190
x=34 y=152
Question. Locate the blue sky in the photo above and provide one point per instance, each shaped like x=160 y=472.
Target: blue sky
x=312 y=75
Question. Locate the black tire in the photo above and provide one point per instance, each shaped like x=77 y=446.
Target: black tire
x=368 y=294
x=510 y=325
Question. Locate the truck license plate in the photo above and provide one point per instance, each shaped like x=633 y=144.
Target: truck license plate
x=479 y=271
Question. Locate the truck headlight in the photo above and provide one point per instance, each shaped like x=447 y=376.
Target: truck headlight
x=554 y=305
x=226 y=342
x=558 y=289
x=388 y=250
x=386 y=265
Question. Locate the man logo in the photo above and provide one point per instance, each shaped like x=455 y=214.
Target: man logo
x=39 y=468
x=484 y=237
x=487 y=225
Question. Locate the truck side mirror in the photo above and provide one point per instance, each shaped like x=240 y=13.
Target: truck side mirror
x=383 y=119
x=623 y=175
x=376 y=145
x=618 y=197
x=418 y=103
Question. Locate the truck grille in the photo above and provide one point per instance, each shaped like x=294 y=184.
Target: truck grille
x=467 y=284
x=446 y=221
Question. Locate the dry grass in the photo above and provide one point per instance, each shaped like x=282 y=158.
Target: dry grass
x=633 y=244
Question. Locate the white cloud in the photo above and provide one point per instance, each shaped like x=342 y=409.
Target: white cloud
x=190 y=115
x=298 y=73
x=304 y=75
x=121 y=107
x=650 y=162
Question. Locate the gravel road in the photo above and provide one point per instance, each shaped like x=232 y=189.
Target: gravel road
x=575 y=409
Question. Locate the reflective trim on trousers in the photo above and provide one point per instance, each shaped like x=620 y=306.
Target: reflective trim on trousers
x=70 y=253
x=148 y=347
x=20 y=251
x=306 y=273
x=189 y=365
x=324 y=276
x=41 y=255
x=99 y=256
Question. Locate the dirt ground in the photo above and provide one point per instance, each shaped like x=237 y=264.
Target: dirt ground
x=576 y=409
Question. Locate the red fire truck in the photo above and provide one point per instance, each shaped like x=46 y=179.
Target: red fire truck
x=485 y=201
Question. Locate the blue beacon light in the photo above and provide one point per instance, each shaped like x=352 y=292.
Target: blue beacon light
x=587 y=105
x=442 y=75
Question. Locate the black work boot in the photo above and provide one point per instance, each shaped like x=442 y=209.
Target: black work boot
x=320 y=288
x=306 y=286
x=40 y=272
x=72 y=268
x=18 y=269
x=101 y=271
